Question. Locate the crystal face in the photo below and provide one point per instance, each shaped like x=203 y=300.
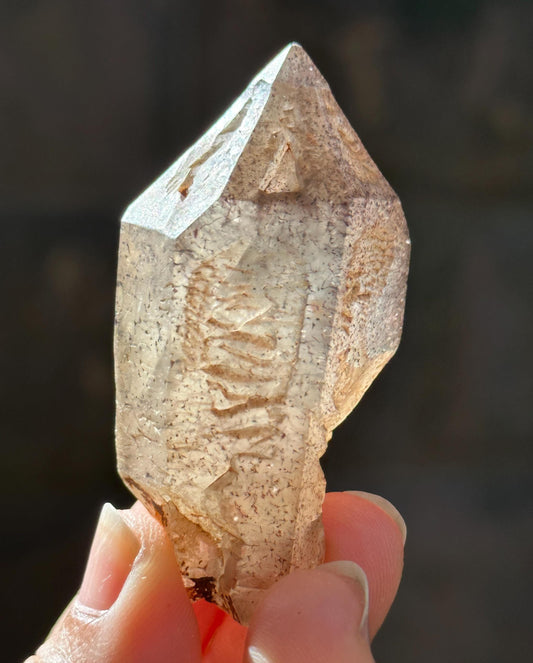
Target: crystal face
x=261 y=287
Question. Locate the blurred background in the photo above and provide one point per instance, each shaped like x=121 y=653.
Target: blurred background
x=97 y=98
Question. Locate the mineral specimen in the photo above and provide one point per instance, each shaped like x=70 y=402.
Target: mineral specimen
x=261 y=288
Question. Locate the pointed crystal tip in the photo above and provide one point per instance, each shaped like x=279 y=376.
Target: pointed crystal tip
x=292 y=65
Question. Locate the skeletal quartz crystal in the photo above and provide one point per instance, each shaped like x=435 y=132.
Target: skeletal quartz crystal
x=261 y=288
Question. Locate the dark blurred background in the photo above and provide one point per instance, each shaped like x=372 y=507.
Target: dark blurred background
x=97 y=98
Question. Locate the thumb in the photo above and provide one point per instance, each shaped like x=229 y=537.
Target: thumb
x=132 y=605
x=314 y=616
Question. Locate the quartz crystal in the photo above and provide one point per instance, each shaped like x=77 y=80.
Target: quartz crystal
x=261 y=287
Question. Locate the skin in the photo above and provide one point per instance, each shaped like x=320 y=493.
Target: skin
x=132 y=605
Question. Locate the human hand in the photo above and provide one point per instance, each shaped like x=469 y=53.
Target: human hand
x=132 y=606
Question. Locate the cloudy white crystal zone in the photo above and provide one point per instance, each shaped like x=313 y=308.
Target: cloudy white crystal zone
x=172 y=215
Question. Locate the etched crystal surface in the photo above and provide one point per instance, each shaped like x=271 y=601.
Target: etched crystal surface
x=261 y=288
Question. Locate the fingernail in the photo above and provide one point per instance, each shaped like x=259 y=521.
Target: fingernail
x=355 y=573
x=386 y=506
x=113 y=551
x=255 y=655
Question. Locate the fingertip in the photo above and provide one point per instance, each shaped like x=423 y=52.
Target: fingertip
x=312 y=616
x=362 y=530
x=151 y=618
x=353 y=572
x=153 y=610
x=113 y=551
x=385 y=506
